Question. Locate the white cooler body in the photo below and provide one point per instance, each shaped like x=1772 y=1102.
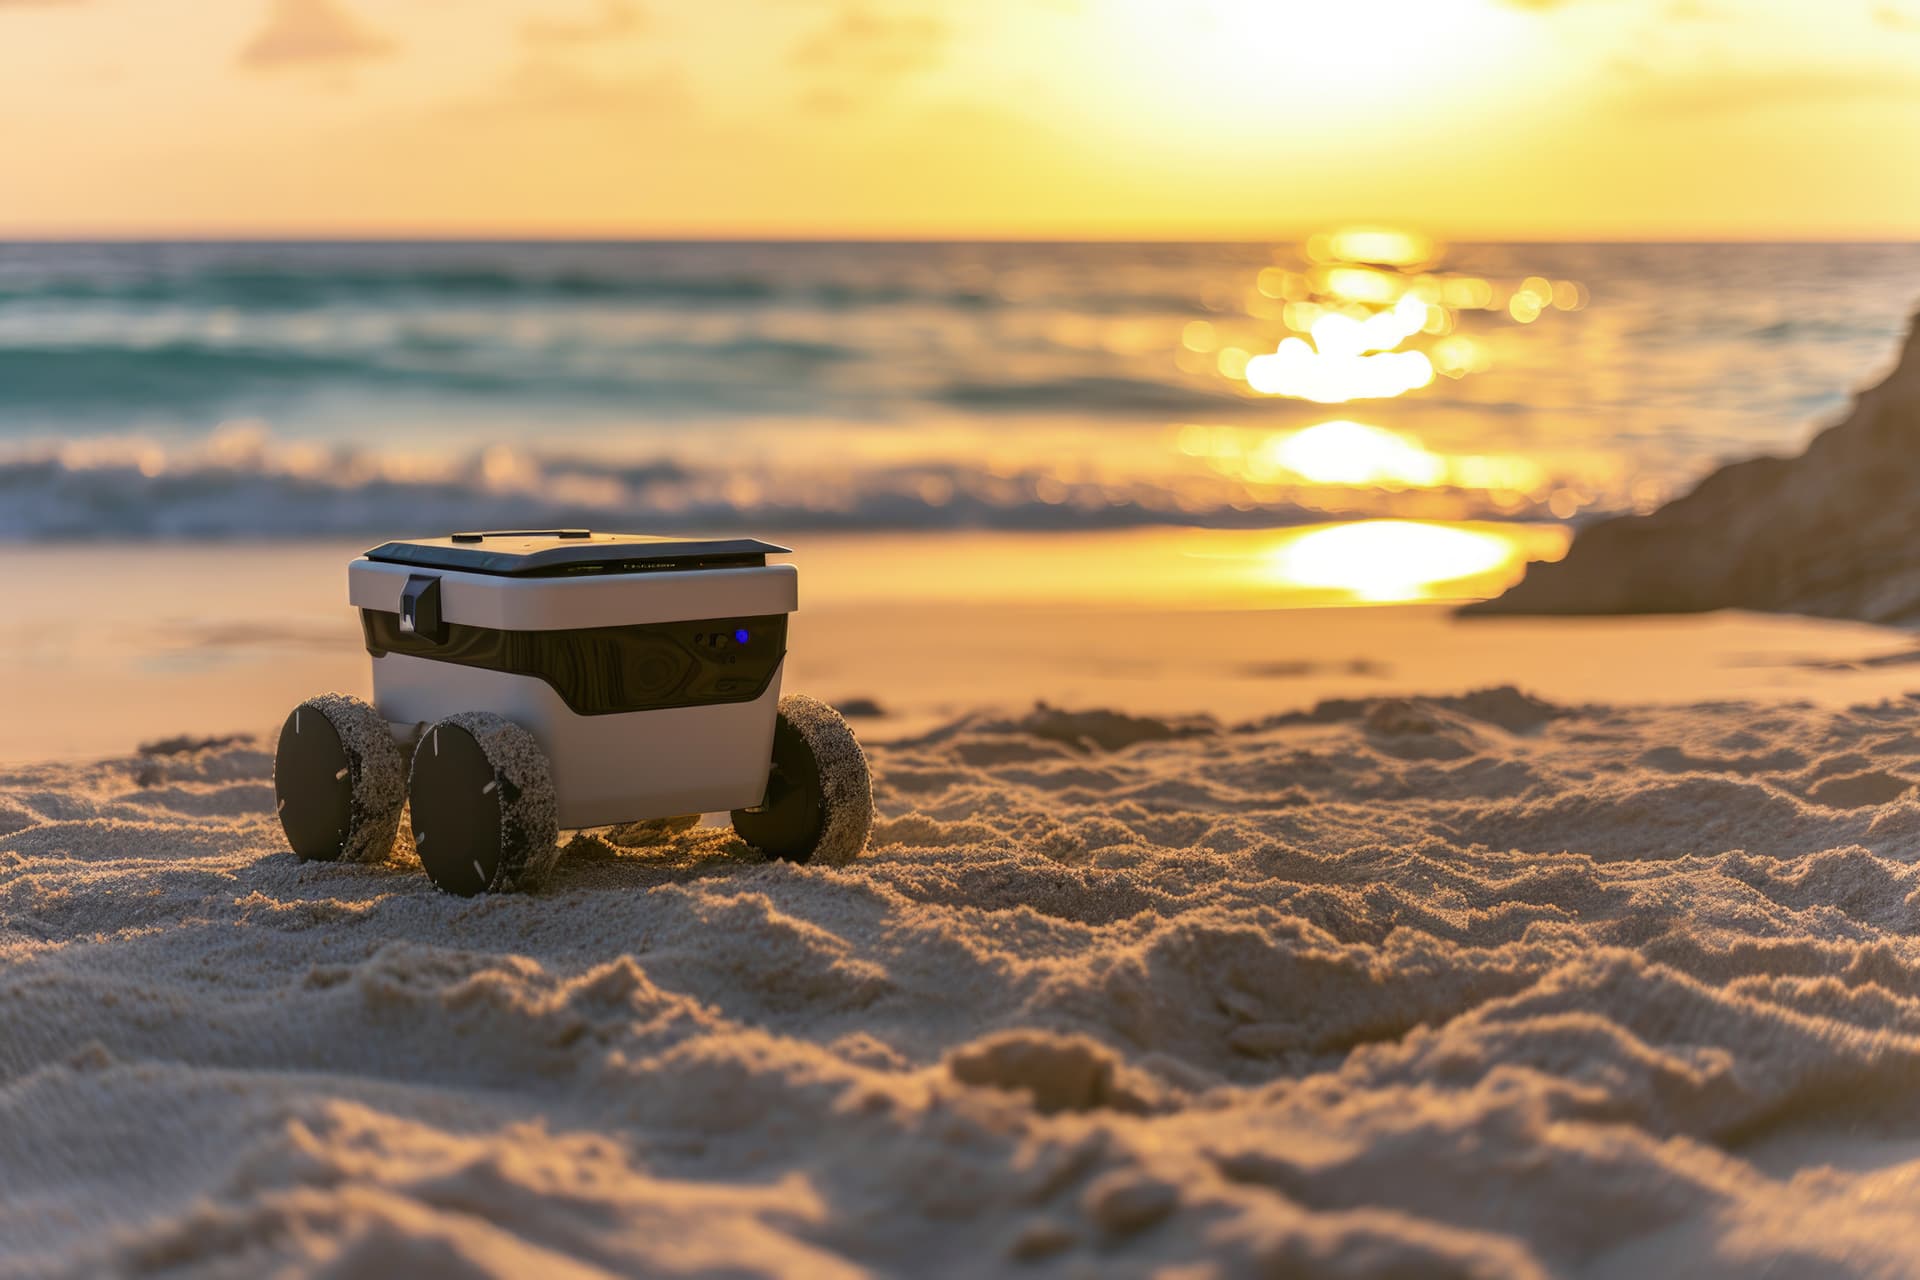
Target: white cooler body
x=653 y=689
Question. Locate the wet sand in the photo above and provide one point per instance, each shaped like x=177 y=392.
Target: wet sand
x=105 y=647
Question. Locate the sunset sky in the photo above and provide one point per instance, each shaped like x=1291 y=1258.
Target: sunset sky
x=1102 y=118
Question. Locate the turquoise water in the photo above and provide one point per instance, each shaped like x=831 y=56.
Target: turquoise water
x=297 y=389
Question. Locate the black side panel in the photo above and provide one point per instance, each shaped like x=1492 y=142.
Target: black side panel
x=600 y=670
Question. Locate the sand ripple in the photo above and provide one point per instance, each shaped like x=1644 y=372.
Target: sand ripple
x=1459 y=986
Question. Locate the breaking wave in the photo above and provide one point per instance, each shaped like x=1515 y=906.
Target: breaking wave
x=244 y=483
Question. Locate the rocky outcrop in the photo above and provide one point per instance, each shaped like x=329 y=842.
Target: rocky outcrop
x=1834 y=532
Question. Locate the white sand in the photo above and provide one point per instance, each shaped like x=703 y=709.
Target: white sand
x=1469 y=986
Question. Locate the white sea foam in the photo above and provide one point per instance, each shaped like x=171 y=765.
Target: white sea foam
x=242 y=481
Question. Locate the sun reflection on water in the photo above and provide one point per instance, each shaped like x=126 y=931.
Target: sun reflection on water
x=1296 y=369
x=1382 y=246
x=1401 y=561
x=1370 y=317
x=1342 y=453
x=1372 y=314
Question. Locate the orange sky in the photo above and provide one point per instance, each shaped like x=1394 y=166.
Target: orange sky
x=1256 y=118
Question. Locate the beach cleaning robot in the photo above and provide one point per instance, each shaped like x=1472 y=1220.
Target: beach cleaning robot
x=564 y=679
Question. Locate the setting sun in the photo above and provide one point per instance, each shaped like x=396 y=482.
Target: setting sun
x=1317 y=68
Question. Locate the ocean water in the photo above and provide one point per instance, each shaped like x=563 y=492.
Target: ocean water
x=239 y=390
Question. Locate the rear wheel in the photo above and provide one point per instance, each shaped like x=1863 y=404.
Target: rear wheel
x=339 y=782
x=819 y=803
x=483 y=810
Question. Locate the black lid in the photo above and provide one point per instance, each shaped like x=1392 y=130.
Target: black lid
x=567 y=552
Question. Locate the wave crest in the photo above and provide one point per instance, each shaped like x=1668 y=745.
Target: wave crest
x=242 y=482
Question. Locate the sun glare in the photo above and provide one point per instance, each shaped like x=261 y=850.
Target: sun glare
x=1297 y=370
x=1353 y=453
x=1345 y=454
x=1387 y=561
x=1372 y=316
x=1241 y=68
x=1376 y=246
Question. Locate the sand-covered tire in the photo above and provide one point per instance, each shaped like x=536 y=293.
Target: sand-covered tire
x=483 y=813
x=819 y=804
x=339 y=781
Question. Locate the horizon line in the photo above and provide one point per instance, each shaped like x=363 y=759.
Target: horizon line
x=402 y=236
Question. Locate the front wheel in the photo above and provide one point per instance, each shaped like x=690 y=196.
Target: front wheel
x=819 y=804
x=483 y=810
x=339 y=782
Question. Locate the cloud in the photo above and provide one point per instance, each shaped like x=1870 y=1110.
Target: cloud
x=1894 y=18
x=552 y=86
x=311 y=32
x=543 y=84
x=558 y=73
x=612 y=20
x=865 y=45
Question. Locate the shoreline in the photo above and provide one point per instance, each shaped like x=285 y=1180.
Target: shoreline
x=107 y=647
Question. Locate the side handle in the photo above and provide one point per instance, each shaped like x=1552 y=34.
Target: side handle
x=420 y=609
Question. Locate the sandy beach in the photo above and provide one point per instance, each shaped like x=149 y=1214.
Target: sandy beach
x=1354 y=563
x=214 y=639
x=1476 y=985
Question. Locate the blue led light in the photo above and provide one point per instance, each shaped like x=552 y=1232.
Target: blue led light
x=740 y=636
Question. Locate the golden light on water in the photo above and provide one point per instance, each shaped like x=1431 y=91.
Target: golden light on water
x=1382 y=246
x=1458 y=355
x=1336 y=333
x=1404 y=561
x=1371 y=319
x=1311 y=567
x=1352 y=453
x=1363 y=284
x=1198 y=335
x=1296 y=369
x=1345 y=453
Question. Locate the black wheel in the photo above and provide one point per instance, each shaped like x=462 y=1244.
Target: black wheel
x=819 y=803
x=339 y=782
x=483 y=811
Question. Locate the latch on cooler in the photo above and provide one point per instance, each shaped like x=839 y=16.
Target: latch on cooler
x=420 y=609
